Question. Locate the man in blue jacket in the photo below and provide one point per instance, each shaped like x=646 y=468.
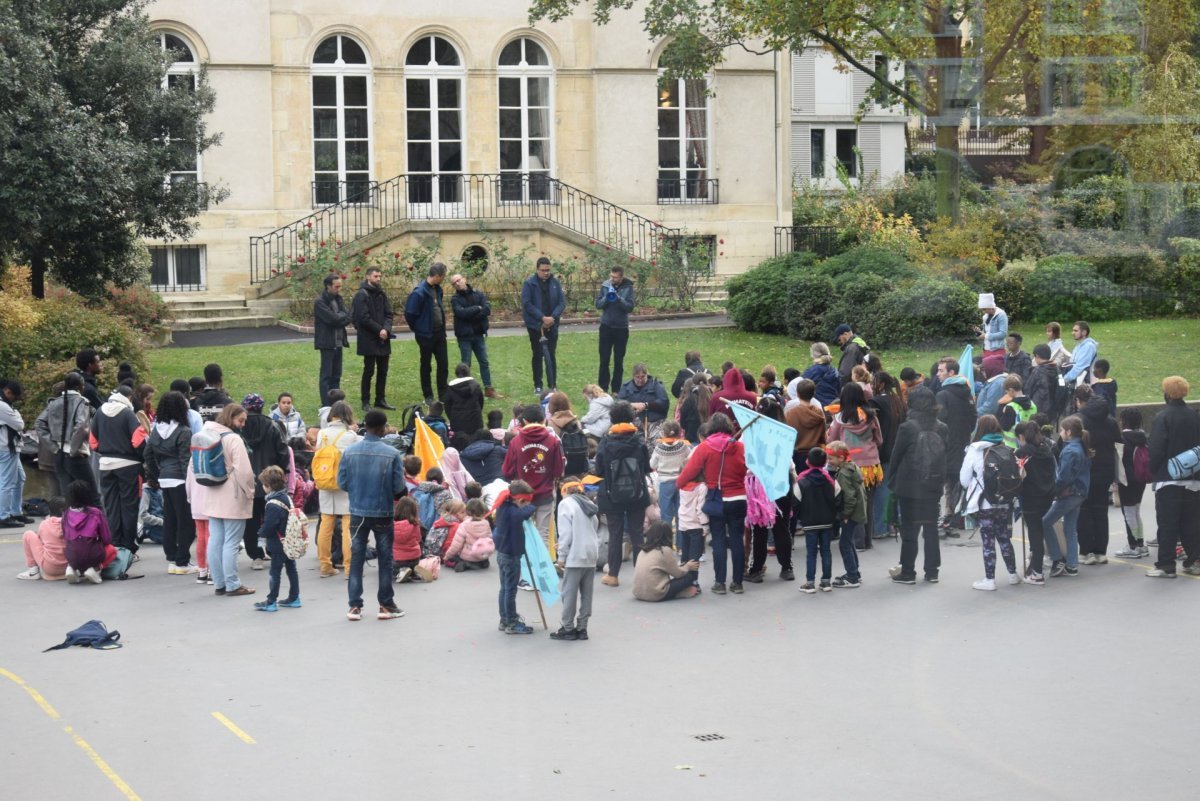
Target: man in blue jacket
x=426 y=317
x=372 y=473
x=472 y=315
x=615 y=300
x=542 y=305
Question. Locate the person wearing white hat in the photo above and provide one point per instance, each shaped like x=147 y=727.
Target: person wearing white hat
x=994 y=332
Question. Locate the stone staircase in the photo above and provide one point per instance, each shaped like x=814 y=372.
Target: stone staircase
x=204 y=311
x=712 y=290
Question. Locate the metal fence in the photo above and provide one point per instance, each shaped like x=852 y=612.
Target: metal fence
x=975 y=141
x=819 y=239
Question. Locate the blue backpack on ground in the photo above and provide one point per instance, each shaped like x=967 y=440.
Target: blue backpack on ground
x=92 y=634
x=208 y=458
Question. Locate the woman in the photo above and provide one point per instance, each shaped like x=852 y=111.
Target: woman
x=228 y=505
x=1071 y=484
x=720 y=462
x=335 y=502
x=856 y=424
x=143 y=400
x=658 y=576
x=916 y=479
x=995 y=520
x=1058 y=352
x=890 y=409
x=776 y=523
x=823 y=374
x=562 y=421
x=596 y=422
x=1034 y=453
x=1103 y=436
x=455 y=475
x=693 y=404
x=168 y=454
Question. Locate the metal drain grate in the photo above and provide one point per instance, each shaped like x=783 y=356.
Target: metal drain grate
x=708 y=738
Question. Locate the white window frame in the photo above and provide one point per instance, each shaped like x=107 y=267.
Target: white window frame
x=173 y=284
x=433 y=72
x=709 y=168
x=339 y=70
x=190 y=68
x=524 y=71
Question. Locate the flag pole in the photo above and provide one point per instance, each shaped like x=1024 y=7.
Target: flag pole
x=536 y=592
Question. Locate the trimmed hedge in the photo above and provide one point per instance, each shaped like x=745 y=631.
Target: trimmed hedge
x=757 y=297
x=1066 y=287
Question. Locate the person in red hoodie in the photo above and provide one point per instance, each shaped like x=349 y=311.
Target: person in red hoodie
x=720 y=461
x=733 y=390
x=535 y=456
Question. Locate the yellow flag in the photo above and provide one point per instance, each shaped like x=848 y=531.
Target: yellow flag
x=428 y=446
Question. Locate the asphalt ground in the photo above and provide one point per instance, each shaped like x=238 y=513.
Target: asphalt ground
x=1080 y=689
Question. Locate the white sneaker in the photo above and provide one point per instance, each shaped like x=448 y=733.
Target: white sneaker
x=1144 y=550
x=186 y=570
x=1132 y=552
x=257 y=564
x=1099 y=559
x=32 y=574
x=92 y=575
x=72 y=575
x=985 y=584
x=1014 y=579
x=1088 y=559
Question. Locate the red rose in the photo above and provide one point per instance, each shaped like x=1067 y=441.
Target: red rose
x=591 y=241
x=300 y=260
x=367 y=252
x=339 y=243
x=322 y=244
x=343 y=276
x=653 y=264
x=288 y=274
x=308 y=224
x=721 y=241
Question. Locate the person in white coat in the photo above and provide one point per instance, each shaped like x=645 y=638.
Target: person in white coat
x=578 y=549
x=340 y=433
x=596 y=422
x=995 y=521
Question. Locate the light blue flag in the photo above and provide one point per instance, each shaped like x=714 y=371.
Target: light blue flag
x=544 y=577
x=966 y=367
x=769 y=446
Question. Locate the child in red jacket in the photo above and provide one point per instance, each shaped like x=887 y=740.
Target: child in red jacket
x=406 y=539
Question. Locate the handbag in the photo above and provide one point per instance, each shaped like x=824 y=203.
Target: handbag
x=714 y=503
x=429 y=568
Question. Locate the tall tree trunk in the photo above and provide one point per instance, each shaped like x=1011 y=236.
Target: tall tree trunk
x=1033 y=108
x=37 y=269
x=949 y=171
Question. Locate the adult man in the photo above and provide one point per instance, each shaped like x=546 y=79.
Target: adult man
x=994 y=332
x=542 y=305
x=372 y=316
x=213 y=398
x=648 y=398
x=12 y=474
x=616 y=300
x=1016 y=361
x=536 y=457
x=119 y=439
x=88 y=363
x=1085 y=353
x=957 y=411
x=1176 y=503
x=692 y=365
x=330 y=319
x=426 y=317
x=63 y=416
x=372 y=473
x=472 y=316
x=854 y=350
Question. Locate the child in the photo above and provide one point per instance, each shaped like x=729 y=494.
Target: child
x=692 y=521
x=331 y=397
x=473 y=543
x=1071 y=484
x=669 y=456
x=768 y=382
x=658 y=576
x=818 y=515
x=473 y=491
x=513 y=507
x=862 y=376
x=994 y=519
x=431 y=495
x=45 y=551
x=412 y=469
x=406 y=540
x=1130 y=490
x=438 y=423
x=852 y=510
x=276 y=511
x=516 y=423
x=495 y=424
x=285 y=416
x=578 y=528
x=86 y=534
x=443 y=530
x=150 y=515
x=1104 y=386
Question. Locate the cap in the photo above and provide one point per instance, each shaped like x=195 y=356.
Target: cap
x=253 y=402
x=841 y=329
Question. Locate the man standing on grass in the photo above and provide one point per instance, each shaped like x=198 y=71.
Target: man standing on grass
x=615 y=300
x=330 y=319
x=372 y=473
x=372 y=315
x=542 y=305
x=426 y=317
x=472 y=316
x=1084 y=356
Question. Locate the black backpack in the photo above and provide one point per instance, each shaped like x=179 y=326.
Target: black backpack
x=575 y=448
x=624 y=481
x=1001 y=475
x=929 y=457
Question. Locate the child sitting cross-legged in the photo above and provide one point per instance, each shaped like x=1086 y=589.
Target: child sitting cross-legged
x=472 y=543
x=406 y=540
x=45 y=551
x=441 y=533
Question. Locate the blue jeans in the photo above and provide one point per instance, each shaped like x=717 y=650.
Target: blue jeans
x=509 y=567
x=1066 y=509
x=478 y=347
x=12 y=484
x=360 y=529
x=224 y=537
x=668 y=505
x=846 y=548
x=814 y=540
x=728 y=534
x=693 y=544
x=279 y=562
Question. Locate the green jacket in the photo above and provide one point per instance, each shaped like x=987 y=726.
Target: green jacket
x=853 y=503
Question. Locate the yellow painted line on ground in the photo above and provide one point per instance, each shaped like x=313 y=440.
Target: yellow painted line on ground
x=83 y=744
x=10 y=540
x=229 y=724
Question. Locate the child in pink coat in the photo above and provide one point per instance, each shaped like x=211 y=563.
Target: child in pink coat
x=45 y=550
x=473 y=544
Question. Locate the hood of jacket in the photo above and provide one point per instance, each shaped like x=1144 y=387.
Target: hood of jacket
x=563 y=418
x=1023 y=401
x=1094 y=412
x=586 y=504
x=166 y=429
x=462 y=384
x=718 y=441
x=1134 y=438
x=478 y=451
x=732 y=381
x=116 y=404
x=534 y=432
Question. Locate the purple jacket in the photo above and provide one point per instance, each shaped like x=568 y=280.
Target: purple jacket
x=87 y=536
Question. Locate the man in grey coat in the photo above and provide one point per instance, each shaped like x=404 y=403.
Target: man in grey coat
x=330 y=318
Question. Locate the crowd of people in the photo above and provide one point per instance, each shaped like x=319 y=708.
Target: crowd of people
x=1011 y=436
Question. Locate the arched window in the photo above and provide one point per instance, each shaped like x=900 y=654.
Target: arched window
x=684 y=145
x=183 y=75
x=341 y=122
x=526 y=121
x=433 y=89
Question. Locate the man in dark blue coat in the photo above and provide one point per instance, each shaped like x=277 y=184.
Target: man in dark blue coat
x=542 y=305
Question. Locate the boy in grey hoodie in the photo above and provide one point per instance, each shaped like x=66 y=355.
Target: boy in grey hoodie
x=578 y=550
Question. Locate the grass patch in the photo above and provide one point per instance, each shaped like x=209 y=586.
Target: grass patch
x=1141 y=353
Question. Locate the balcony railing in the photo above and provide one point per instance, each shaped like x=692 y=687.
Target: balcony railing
x=976 y=141
x=819 y=239
x=329 y=193
x=684 y=191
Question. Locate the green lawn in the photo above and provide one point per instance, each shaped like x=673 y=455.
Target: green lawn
x=1141 y=354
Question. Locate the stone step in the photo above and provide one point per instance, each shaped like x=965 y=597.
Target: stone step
x=199 y=300
x=216 y=312
x=213 y=323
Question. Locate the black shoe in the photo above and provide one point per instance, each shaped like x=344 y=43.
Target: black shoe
x=382 y=404
x=28 y=521
x=787 y=575
x=1058 y=569
x=537 y=391
x=10 y=522
x=581 y=634
x=1071 y=571
x=931 y=578
x=900 y=578
x=367 y=407
x=563 y=634
x=756 y=577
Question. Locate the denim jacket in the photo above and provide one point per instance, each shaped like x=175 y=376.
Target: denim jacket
x=372 y=473
x=1074 y=467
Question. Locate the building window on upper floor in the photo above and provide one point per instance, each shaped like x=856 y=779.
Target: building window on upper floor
x=525 y=87
x=816 y=142
x=341 y=105
x=433 y=87
x=183 y=75
x=847 y=151
x=177 y=268
x=684 y=142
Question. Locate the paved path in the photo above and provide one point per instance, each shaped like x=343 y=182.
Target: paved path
x=253 y=336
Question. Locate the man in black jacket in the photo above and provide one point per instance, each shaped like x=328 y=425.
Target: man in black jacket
x=213 y=398
x=956 y=408
x=472 y=316
x=330 y=319
x=694 y=365
x=265 y=447
x=372 y=315
x=88 y=362
x=1176 y=503
x=1043 y=384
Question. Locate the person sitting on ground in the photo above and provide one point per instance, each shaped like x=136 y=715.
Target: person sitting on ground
x=733 y=390
x=658 y=576
x=45 y=550
x=768 y=383
x=272 y=531
x=693 y=406
x=484 y=457
x=431 y=495
x=578 y=527
x=441 y=534
x=495 y=424
x=464 y=402
x=406 y=540
x=823 y=374
x=412 y=469
x=474 y=490
x=438 y=423
x=472 y=544
x=88 y=541
x=332 y=397
x=692 y=367
x=648 y=399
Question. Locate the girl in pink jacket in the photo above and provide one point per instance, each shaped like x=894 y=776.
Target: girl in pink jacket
x=45 y=550
x=473 y=544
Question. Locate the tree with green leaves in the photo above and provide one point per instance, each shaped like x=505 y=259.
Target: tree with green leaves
x=90 y=132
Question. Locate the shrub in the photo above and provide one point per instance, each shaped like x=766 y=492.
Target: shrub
x=1066 y=287
x=1009 y=287
x=757 y=296
x=1015 y=216
x=872 y=259
x=854 y=299
x=809 y=293
x=142 y=307
x=1185 y=281
x=965 y=250
x=1101 y=201
x=924 y=311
